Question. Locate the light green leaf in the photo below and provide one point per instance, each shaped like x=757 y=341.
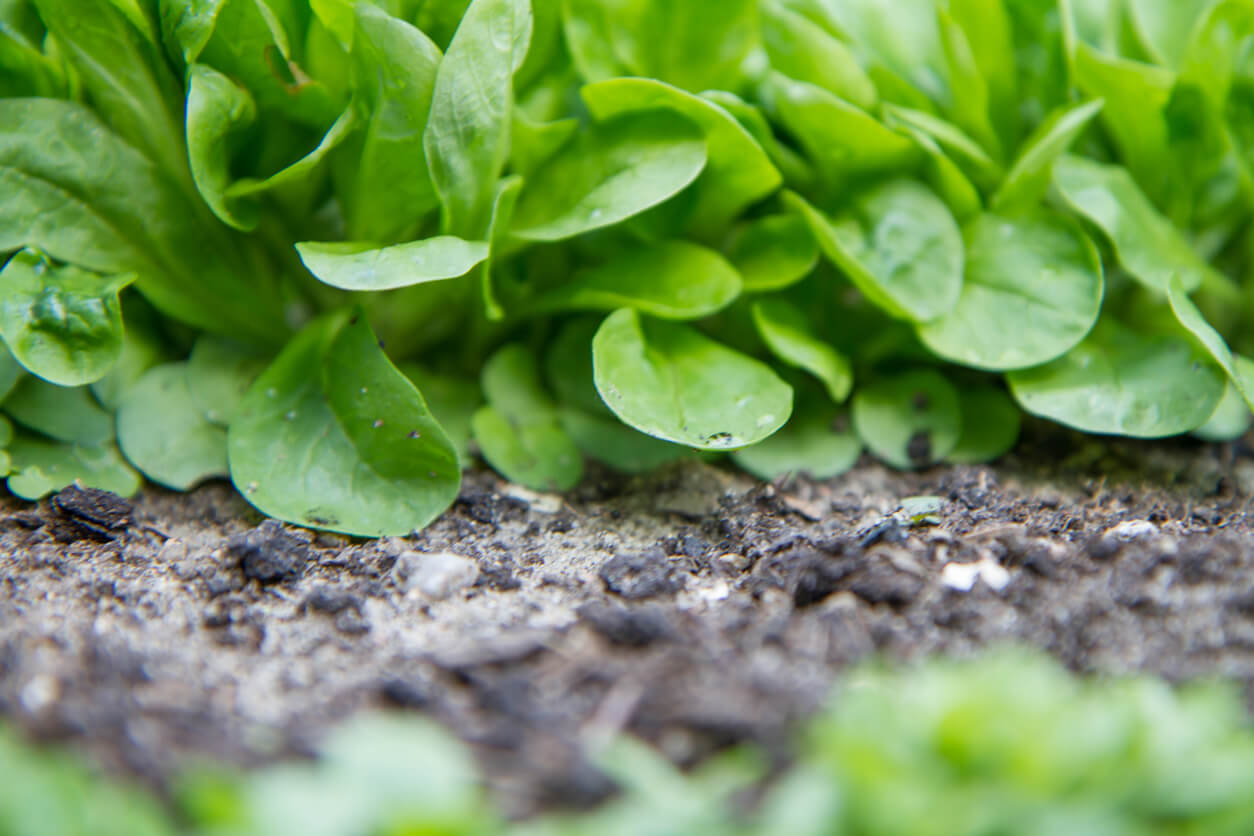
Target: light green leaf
x=1163 y=27
x=898 y=244
x=669 y=280
x=519 y=432
x=1149 y=246
x=773 y=252
x=945 y=177
x=1032 y=290
x=908 y=420
x=467 y=135
x=387 y=186
x=61 y=323
x=697 y=44
x=1195 y=323
x=990 y=425
x=1122 y=383
x=332 y=436
x=143 y=346
x=41 y=467
x=788 y=334
x=219 y=374
x=1230 y=420
x=164 y=432
x=808 y=444
x=967 y=154
x=843 y=140
x=801 y=49
x=673 y=383
x=969 y=108
x=360 y=266
x=612 y=171
x=1028 y=179
x=738 y=171
x=68 y=414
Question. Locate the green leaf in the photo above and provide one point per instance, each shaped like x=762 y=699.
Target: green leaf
x=503 y=206
x=970 y=108
x=61 y=323
x=568 y=366
x=613 y=443
x=669 y=280
x=187 y=26
x=519 y=431
x=41 y=467
x=1195 y=323
x=360 y=266
x=132 y=88
x=671 y=382
x=467 y=135
x=788 y=334
x=387 y=186
x=332 y=436
x=898 y=245
x=1033 y=289
x=945 y=177
x=808 y=444
x=165 y=433
x=801 y=49
x=1148 y=245
x=697 y=44
x=219 y=374
x=1028 y=179
x=843 y=140
x=1163 y=27
x=219 y=112
x=1122 y=383
x=738 y=171
x=990 y=425
x=143 y=346
x=967 y=154
x=908 y=420
x=90 y=199
x=773 y=252
x=68 y=414
x=612 y=171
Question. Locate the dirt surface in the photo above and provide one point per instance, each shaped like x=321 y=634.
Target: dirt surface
x=694 y=607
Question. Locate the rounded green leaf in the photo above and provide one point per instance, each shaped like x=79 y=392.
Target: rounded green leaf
x=360 y=266
x=219 y=111
x=672 y=382
x=1149 y=246
x=787 y=333
x=332 y=436
x=165 y=433
x=669 y=280
x=61 y=323
x=774 y=252
x=1033 y=288
x=40 y=467
x=1230 y=420
x=65 y=413
x=612 y=171
x=810 y=443
x=738 y=170
x=1123 y=383
x=990 y=425
x=519 y=432
x=899 y=245
x=452 y=400
x=908 y=420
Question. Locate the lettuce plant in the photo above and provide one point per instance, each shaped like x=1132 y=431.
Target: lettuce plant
x=332 y=249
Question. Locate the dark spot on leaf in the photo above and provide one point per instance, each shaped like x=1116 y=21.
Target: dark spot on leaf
x=353 y=319
x=920 y=401
x=919 y=448
x=415 y=434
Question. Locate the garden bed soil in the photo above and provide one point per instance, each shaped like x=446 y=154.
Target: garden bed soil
x=693 y=607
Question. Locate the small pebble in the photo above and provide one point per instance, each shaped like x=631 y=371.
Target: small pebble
x=435 y=575
x=962 y=576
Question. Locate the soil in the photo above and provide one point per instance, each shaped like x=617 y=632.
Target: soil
x=694 y=607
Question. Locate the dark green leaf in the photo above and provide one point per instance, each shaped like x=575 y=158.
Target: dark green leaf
x=68 y=414
x=219 y=374
x=165 y=432
x=808 y=444
x=790 y=337
x=908 y=420
x=990 y=425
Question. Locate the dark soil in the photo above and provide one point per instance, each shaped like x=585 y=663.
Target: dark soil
x=695 y=607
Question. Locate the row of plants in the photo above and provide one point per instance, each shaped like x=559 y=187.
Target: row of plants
x=1007 y=744
x=331 y=249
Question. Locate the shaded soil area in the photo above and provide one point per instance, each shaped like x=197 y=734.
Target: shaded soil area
x=694 y=607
